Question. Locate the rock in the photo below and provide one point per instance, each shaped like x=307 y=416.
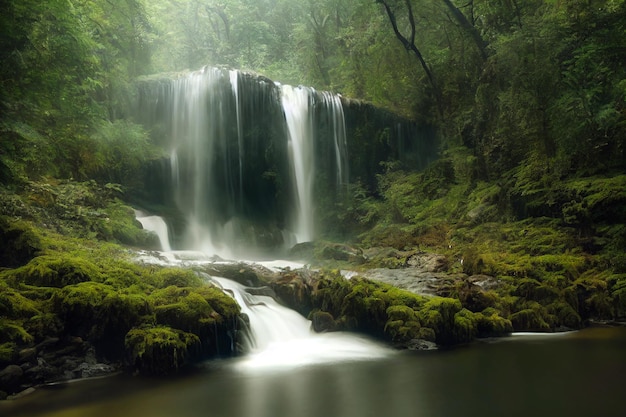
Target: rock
x=42 y=372
x=10 y=378
x=420 y=344
x=23 y=393
x=302 y=251
x=3 y=395
x=27 y=355
x=48 y=342
x=86 y=370
x=266 y=291
x=411 y=279
x=428 y=262
x=486 y=282
x=323 y=322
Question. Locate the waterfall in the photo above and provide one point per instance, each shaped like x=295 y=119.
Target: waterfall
x=337 y=124
x=296 y=103
x=282 y=338
x=157 y=225
x=249 y=158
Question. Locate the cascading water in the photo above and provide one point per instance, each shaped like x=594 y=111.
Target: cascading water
x=337 y=124
x=282 y=338
x=278 y=337
x=157 y=225
x=296 y=103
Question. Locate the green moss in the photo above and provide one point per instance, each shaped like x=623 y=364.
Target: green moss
x=402 y=324
x=98 y=313
x=56 y=271
x=490 y=323
x=159 y=350
x=439 y=313
x=565 y=315
x=44 y=325
x=20 y=242
x=178 y=277
x=531 y=289
x=465 y=326
x=533 y=318
x=204 y=311
x=322 y=321
x=592 y=296
x=8 y=351
x=13 y=331
x=15 y=305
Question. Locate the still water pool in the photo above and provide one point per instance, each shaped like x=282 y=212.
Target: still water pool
x=572 y=374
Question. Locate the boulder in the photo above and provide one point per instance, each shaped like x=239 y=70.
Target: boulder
x=11 y=378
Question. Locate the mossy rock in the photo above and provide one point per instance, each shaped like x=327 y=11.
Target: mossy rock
x=44 y=325
x=565 y=315
x=99 y=313
x=491 y=324
x=593 y=297
x=20 y=243
x=205 y=311
x=534 y=318
x=292 y=290
x=322 y=321
x=465 y=326
x=8 y=353
x=178 y=277
x=13 y=331
x=438 y=313
x=14 y=305
x=160 y=350
x=57 y=271
x=402 y=324
x=531 y=289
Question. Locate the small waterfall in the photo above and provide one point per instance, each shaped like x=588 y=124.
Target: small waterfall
x=157 y=225
x=282 y=338
x=337 y=125
x=296 y=103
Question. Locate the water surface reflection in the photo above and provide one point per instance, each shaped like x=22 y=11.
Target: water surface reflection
x=573 y=375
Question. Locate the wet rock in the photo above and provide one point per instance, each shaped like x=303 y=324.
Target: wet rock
x=47 y=343
x=251 y=275
x=326 y=251
x=292 y=289
x=27 y=355
x=428 y=262
x=420 y=344
x=86 y=370
x=304 y=251
x=10 y=378
x=323 y=321
x=486 y=282
x=411 y=279
x=265 y=290
x=42 y=372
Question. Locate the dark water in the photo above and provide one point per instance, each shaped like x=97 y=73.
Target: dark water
x=575 y=374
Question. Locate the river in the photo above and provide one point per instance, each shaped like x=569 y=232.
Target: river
x=571 y=374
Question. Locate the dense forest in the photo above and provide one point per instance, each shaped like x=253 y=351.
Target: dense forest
x=527 y=99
